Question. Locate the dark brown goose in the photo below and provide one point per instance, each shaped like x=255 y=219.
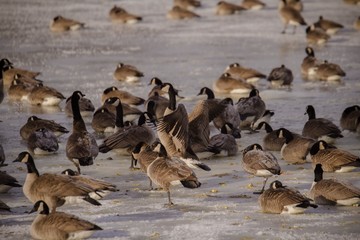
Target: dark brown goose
x=280 y=76
x=348 y=119
x=224 y=143
x=43 y=142
x=54 y=189
x=81 y=146
x=280 y=199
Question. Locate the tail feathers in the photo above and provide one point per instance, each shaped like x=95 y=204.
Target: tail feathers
x=92 y=201
x=96 y=227
x=13 y=184
x=355 y=163
x=104 y=149
x=191 y=183
x=306 y=204
x=196 y=164
x=213 y=149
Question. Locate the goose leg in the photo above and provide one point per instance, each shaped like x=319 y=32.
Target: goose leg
x=263 y=188
x=170 y=202
x=285 y=26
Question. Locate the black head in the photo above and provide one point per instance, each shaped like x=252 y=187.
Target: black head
x=110 y=89
x=254 y=93
x=310 y=51
x=41 y=207
x=155 y=81
x=276 y=185
x=284 y=133
x=113 y=101
x=318 y=172
x=24 y=157
x=234 y=65
x=77 y=95
x=120 y=65
x=33 y=118
x=310 y=111
x=70 y=172
x=57 y=18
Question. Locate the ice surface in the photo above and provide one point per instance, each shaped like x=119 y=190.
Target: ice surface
x=191 y=54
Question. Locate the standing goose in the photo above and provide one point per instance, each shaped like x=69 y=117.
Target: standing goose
x=54 y=189
x=227 y=8
x=43 y=142
x=33 y=123
x=316 y=36
x=45 y=96
x=332 y=191
x=127 y=73
x=330 y=27
x=86 y=107
x=216 y=106
x=187 y=4
x=59 y=225
x=280 y=199
x=320 y=128
x=124 y=140
x=164 y=170
x=240 y=72
x=227 y=84
x=120 y=15
x=124 y=96
x=260 y=163
x=178 y=13
x=251 y=108
x=228 y=115
x=7 y=182
x=224 y=143
x=173 y=127
x=61 y=24
x=348 y=119
x=81 y=146
x=101 y=187
x=309 y=64
x=333 y=159
x=290 y=16
x=296 y=147
x=280 y=76
x=329 y=72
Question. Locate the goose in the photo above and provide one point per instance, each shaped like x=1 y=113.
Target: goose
x=296 y=4
x=120 y=15
x=187 y=4
x=86 y=107
x=54 y=189
x=240 y=72
x=103 y=121
x=156 y=90
x=61 y=24
x=296 y=147
x=43 y=142
x=316 y=36
x=332 y=191
x=129 y=113
x=251 y=108
x=20 y=78
x=266 y=117
x=227 y=84
x=320 y=128
x=124 y=96
x=173 y=127
x=4 y=207
x=333 y=159
x=33 y=123
x=216 y=106
x=124 y=140
x=156 y=105
x=7 y=182
x=280 y=199
x=101 y=187
x=229 y=115
x=329 y=72
x=280 y=76
x=45 y=96
x=330 y=27
x=81 y=146
x=309 y=64
x=259 y=163
x=253 y=4
x=271 y=142
x=164 y=170
x=59 y=225
x=224 y=143
x=226 y=8
x=178 y=13
x=348 y=119
x=290 y=15
x=357 y=24
x=9 y=71
x=19 y=91
x=127 y=73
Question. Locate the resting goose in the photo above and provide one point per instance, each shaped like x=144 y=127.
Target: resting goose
x=59 y=225
x=348 y=119
x=54 y=189
x=61 y=24
x=240 y=72
x=124 y=96
x=224 y=143
x=86 y=107
x=127 y=73
x=120 y=15
x=81 y=146
x=43 y=142
x=45 y=96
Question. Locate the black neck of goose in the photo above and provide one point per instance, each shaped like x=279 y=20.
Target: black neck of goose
x=318 y=173
x=268 y=128
x=311 y=112
x=288 y=136
x=31 y=168
x=172 y=99
x=78 y=122
x=119 y=121
x=142 y=120
x=315 y=148
x=210 y=94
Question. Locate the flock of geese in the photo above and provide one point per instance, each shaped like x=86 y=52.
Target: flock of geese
x=167 y=141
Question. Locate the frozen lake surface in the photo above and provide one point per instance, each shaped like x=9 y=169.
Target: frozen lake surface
x=190 y=54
